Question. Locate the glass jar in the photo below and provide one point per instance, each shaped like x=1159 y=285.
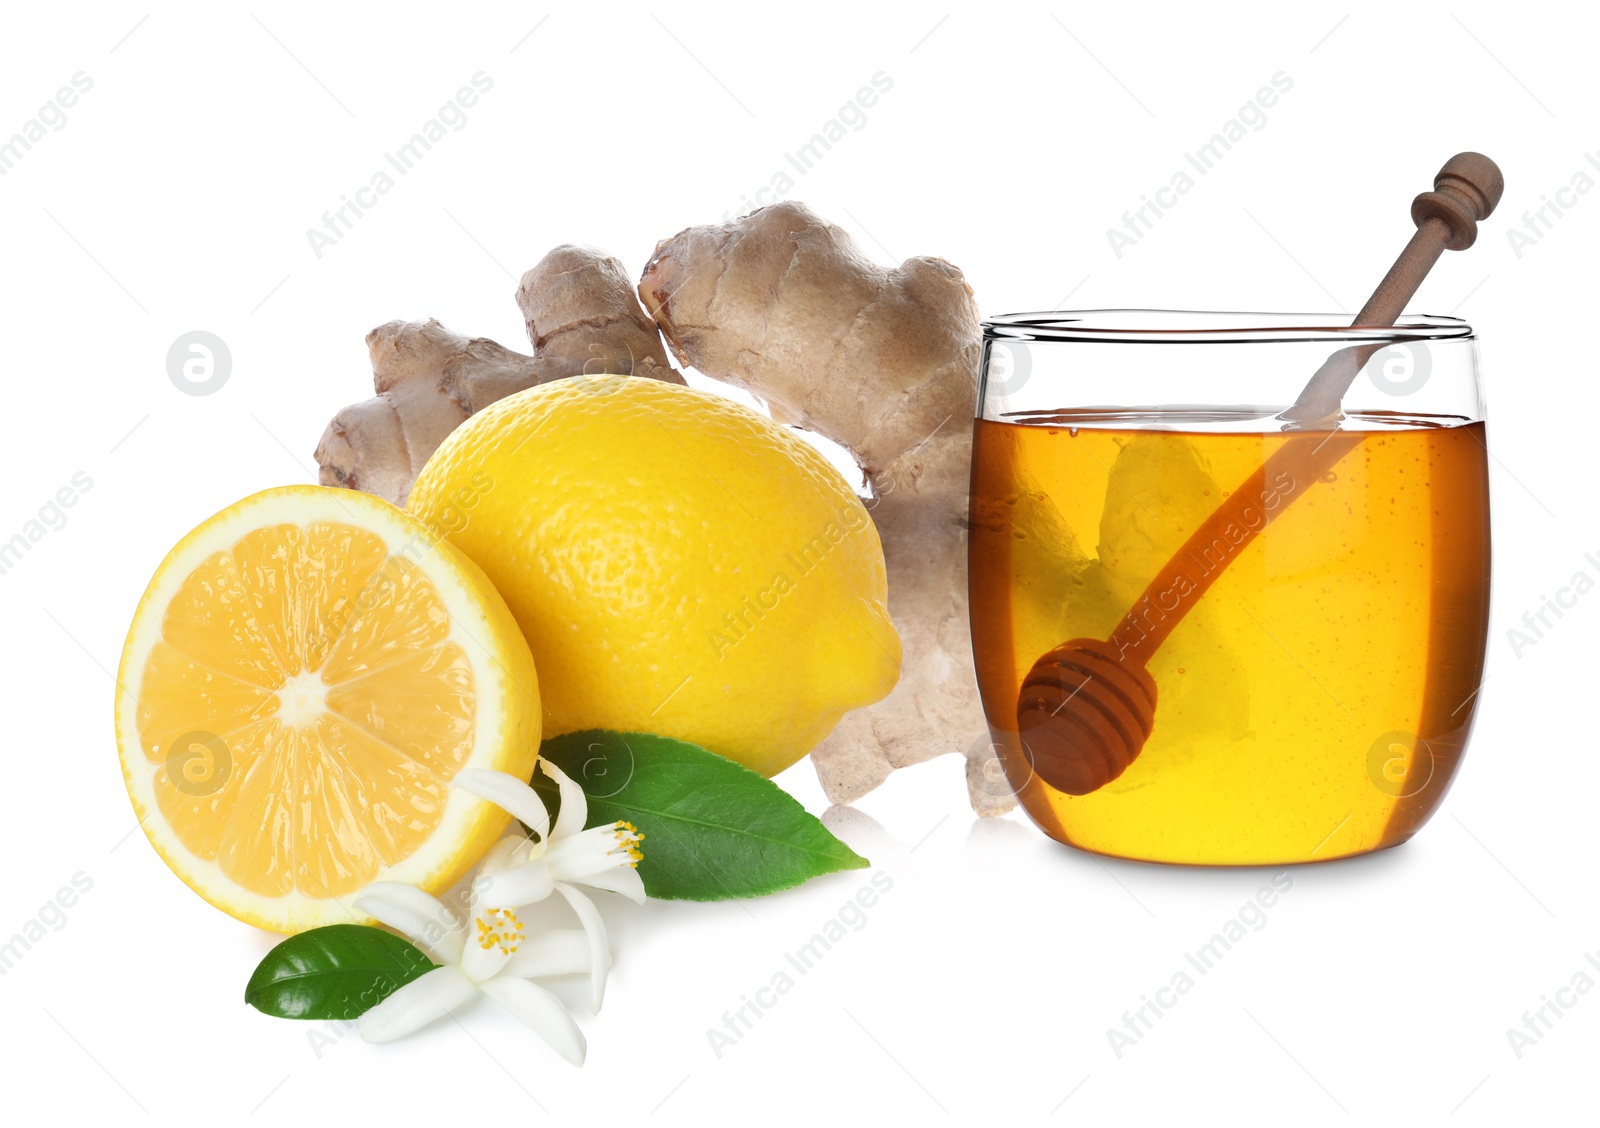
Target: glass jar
x=1206 y=632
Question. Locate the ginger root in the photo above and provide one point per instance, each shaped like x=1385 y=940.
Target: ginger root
x=582 y=317
x=883 y=362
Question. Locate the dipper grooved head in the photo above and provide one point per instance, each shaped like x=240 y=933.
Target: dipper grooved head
x=1466 y=191
x=1084 y=714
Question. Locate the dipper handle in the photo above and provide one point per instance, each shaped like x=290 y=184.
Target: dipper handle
x=1466 y=191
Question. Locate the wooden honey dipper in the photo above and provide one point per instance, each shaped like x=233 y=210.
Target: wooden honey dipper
x=1087 y=707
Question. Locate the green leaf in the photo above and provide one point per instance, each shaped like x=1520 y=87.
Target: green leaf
x=338 y=971
x=712 y=828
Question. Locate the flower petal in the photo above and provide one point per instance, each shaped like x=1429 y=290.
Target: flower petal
x=542 y=1012
x=574 y=804
x=624 y=880
x=560 y=951
x=501 y=855
x=415 y=1005
x=431 y=925
x=523 y=884
x=508 y=793
x=599 y=947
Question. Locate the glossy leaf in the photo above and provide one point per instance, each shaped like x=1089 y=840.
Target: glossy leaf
x=713 y=829
x=340 y=971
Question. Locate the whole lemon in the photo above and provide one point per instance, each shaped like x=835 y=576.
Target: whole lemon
x=679 y=563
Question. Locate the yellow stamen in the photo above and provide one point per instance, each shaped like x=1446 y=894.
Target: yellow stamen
x=500 y=928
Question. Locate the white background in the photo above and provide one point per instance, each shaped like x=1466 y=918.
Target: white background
x=177 y=197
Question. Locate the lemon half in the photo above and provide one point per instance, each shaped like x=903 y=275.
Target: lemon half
x=304 y=676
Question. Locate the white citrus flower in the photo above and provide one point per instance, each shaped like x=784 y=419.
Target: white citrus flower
x=492 y=954
x=526 y=871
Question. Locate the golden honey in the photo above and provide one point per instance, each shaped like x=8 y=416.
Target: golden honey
x=1315 y=701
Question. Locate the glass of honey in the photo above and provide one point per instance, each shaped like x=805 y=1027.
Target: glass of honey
x=1290 y=617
